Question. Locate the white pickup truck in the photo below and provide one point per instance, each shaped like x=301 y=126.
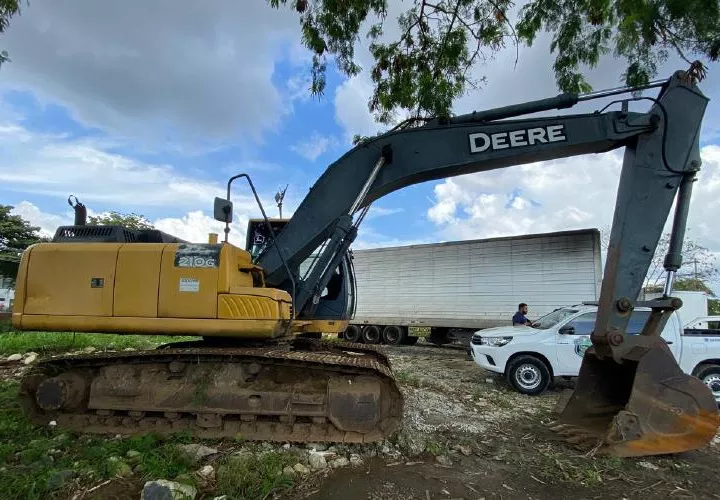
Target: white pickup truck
x=531 y=357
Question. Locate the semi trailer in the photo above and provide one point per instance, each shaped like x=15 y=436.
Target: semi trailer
x=446 y=291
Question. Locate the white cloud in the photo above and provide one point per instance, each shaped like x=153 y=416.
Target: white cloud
x=351 y=109
x=47 y=222
x=376 y=212
x=569 y=193
x=572 y=193
x=507 y=82
x=201 y=71
x=52 y=166
x=195 y=227
x=368 y=237
x=314 y=146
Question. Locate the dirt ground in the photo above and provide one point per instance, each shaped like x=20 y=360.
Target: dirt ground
x=499 y=447
x=467 y=435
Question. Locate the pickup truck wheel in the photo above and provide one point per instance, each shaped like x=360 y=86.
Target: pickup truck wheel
x=393 y=335
x=352 y=334
x=528 y=375
x=710 y=375
x=371 y=334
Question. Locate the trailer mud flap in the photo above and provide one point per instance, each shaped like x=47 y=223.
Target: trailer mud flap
x=645 y=405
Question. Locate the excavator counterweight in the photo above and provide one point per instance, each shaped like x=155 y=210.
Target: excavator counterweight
x=261 y=371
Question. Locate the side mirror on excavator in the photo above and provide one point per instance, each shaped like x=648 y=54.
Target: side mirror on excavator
x=223 y=210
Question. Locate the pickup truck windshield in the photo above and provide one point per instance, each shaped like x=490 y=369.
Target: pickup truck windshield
x=552 y=319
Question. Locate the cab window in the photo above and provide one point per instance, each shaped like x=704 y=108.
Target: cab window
x=637 y=322
x=582 y=325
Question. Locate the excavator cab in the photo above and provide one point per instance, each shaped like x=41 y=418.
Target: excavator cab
x=258 y=237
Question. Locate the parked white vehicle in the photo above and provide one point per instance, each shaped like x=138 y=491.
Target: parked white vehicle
x=530 y=357
x=6 y=298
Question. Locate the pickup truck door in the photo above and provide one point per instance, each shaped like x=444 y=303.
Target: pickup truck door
x=670 y=333
x=573 y=338
x=571 y=341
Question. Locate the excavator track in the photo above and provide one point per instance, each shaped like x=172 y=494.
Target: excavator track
x=307 y=391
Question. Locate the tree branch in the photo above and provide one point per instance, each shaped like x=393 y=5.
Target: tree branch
x=512 y=30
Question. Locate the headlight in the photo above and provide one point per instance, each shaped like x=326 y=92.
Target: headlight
x=495 y=341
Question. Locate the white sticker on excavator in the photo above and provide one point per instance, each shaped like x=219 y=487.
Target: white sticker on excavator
x=189 y=285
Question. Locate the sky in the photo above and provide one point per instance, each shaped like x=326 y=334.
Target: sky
x=149 y=107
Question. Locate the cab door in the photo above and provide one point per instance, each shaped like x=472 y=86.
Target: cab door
x=572 y=340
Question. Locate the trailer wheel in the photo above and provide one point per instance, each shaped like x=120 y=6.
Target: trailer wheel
x=371 y=334
x=352 y=334
x=394 y=335
x=528 y=375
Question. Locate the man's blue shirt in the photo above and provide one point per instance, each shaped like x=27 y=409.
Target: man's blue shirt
x=519 y=318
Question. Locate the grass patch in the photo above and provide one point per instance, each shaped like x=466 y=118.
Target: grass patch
x=40 y=462
x=435 y=448
x=590 y=472
x=405 y=377
x=13 y=341
x=255 y=474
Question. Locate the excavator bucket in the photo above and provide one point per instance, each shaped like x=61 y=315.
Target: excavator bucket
x=644 y=405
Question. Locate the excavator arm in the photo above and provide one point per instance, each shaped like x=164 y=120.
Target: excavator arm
x=661 y=149
x=631 y=392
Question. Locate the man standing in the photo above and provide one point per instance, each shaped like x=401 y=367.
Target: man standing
x=519 y=317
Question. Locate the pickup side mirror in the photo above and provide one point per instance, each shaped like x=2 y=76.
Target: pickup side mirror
x=567 y=330
x=223 y=210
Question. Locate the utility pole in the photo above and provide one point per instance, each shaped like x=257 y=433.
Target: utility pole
x=279 y=199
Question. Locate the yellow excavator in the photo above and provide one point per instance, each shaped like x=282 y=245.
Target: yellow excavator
x=261 y=371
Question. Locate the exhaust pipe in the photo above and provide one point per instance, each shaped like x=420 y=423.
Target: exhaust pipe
x=80 y=211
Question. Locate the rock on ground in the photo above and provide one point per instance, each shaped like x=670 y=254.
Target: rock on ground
x=30 y=358
x=197 y=451
x=207 y=473
x=301 y=469
x=465 y=450
x=167 y=490
x=412 y=443
x=443 y=460
x=339 y=462
x=14 y=357
x=355 y=460
x=289 y=471
x=133 y=456
x=317 y=461
x=317 y=446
